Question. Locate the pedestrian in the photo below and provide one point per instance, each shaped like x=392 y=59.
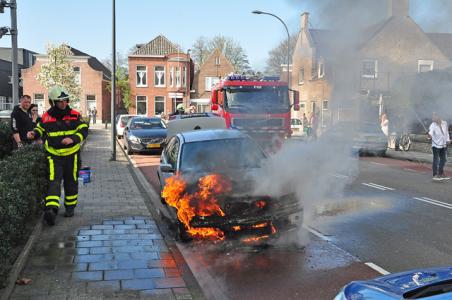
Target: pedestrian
x=192 y=109
x=94 y=114
x=313 y=125
x=34 y=113
x=305 y=124
x=90 y=114
x=21 y=122
x=62 y=130
x=384 y=124
x=439 y=134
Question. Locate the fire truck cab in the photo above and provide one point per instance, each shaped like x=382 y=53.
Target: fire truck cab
x=258 y=106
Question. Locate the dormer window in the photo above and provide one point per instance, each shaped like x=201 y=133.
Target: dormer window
x=370 y=68
x=424 y=66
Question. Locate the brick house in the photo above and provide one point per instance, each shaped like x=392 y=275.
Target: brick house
x=160 y=77
x=92 y=75
x=213 y=69
x=382 y=54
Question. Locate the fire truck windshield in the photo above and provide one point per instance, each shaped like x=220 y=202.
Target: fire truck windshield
x=257 y=99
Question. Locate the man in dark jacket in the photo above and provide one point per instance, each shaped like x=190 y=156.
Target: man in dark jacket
x=62 y=131
x=21 y=122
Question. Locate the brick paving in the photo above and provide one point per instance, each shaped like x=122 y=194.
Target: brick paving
x=111 y=248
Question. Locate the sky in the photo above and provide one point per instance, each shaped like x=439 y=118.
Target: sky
x=87 y=24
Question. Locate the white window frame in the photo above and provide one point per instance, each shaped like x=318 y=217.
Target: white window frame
x=145 y=72
x=217 y=61
x=41 y=108
x=375 y=62
x=78 y=77
x=301 y=78
x=423 y=62
x=209 y=82
x=184 y=76
x=164 y=103
x=321 y=70
x=145 y=100
x=303 y=105
x=171 y=79
x=161 y=79
x=327 y=104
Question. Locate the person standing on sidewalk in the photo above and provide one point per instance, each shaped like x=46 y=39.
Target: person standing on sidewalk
x=62 y=131
x=21 y=122
x=439 y=133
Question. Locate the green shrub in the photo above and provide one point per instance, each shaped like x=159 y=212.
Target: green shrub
x=6 y=140
x=23 y=184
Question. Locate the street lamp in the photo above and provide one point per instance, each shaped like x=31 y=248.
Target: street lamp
x=258 y=12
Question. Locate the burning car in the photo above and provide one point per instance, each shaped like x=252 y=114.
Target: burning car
x=207 y=180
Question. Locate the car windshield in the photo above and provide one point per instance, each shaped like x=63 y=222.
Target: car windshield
x=218 y=155
x=147 y=123
x=259 y=99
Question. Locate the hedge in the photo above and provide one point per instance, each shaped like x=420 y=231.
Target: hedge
x=6 y=140
x=23 y=185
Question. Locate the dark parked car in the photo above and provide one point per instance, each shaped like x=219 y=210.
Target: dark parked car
x=144 y=134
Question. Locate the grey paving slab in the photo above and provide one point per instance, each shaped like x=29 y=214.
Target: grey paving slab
x=110 y=249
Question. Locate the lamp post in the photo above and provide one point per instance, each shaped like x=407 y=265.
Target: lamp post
x=258 y=12
x=113 y=85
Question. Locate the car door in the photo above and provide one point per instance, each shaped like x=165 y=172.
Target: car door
x=169 y=156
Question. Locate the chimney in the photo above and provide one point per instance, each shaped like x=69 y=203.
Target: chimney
x=399 y=8
x=304 y=21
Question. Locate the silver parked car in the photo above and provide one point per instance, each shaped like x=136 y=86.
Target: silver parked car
x=234 y=155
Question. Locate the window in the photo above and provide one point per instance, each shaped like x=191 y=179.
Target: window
x=326 y=116
x=90 y=102
x=38 y=99
x=159 y=105
x=424 y=66
x=159 y=78
x=210 y=82
x=313 y=106
x=217 y=61
x=142 y=105
x=142 y=76
x=321 y=70
x=302 y=105
x=184 y=76
x=77 y=74
x=301 y=76
x=325 y=105
x=177 y=76
x=176 y=102
x=370 y=69
x=171 y=76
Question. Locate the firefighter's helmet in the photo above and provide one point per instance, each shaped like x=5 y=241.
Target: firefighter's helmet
x=58 y=93
x=180 y=107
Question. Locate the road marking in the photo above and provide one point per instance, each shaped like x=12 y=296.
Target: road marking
x=434 y=202
x=411 y=170
x=377 y=268
x=316 y=233
x=378 y=187
x=376 y=163
x=340 y=176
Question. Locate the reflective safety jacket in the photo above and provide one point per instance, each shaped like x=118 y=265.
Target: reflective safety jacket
x=55 y=127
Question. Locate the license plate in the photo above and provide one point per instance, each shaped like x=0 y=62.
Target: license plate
x=153 y=145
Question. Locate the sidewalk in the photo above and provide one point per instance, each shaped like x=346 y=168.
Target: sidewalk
x=414 y=156
x=111 y=248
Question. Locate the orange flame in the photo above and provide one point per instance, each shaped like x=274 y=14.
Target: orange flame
x=255 y=239
x=261 y=225
x=202 y=203
x=236 y=228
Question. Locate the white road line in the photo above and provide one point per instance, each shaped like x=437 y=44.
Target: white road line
x=437 y=201
x=373 y=186
x=376 y=163
x=411 y=170
x=377 y=268
x=445 y=205
x=316 y=233
x=382 y=186
x=340 y=176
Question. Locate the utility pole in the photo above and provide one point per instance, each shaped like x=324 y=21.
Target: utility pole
x=113 y=86
x=15 y=68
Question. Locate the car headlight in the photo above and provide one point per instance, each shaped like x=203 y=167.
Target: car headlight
x=134 y=139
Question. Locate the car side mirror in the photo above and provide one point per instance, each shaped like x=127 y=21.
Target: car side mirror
x=214 y=107
x=166 y=168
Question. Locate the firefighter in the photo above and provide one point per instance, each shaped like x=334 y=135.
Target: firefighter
x=62 y=131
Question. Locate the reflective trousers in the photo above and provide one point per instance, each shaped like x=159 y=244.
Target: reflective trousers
x=64 y=168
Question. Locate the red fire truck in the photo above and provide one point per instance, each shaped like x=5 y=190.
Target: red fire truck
x=259 y=107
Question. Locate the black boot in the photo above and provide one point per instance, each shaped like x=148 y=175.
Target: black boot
x=69 y=213
x=49 y=216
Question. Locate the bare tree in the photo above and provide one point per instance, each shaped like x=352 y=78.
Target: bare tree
x=230 y=48
x=278 y=56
